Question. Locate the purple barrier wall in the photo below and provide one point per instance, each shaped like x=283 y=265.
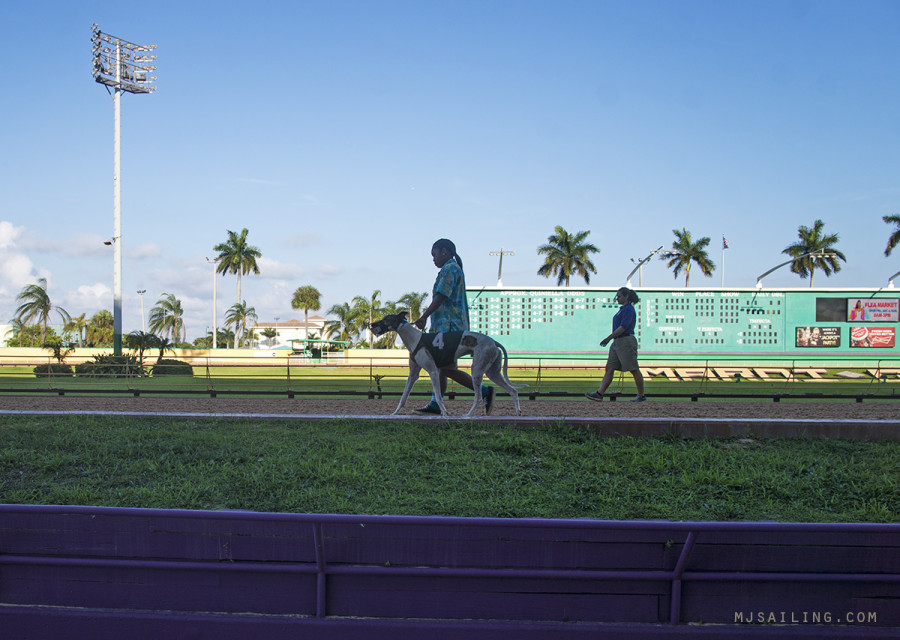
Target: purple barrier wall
x=84 y=571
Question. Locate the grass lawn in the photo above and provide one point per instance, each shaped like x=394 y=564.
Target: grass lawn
x=462 y=469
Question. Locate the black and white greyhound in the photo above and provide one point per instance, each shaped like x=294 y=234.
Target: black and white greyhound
x=489 y=358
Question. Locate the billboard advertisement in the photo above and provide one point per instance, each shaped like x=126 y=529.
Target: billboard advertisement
x=873 y=309
x=817 y=337
x=872 y=337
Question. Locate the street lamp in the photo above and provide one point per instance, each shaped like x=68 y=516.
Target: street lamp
x=640 y=265
x=141 y=293
x=818 y=253
x=122 y=66
x=501 y=253
x=891 y=280
x=215 y=330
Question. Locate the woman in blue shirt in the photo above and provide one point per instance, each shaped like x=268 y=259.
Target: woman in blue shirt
x=623 y=352
x=449 y=311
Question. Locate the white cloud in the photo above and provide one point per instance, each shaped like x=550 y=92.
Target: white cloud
x=304 y=239
x=328 y=271
x=16 y=268
x=95 y=296
x=273 y=269
x=145 y=250
x=9 y=234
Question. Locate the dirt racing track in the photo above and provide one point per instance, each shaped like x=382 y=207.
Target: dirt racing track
x=793 y=418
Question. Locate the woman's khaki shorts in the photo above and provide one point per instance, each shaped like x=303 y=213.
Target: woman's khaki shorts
x=623 y=354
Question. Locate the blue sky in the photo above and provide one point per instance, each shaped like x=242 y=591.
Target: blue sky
x=348 y=136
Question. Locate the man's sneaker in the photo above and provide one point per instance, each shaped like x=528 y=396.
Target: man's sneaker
x=489 y=399
x=430 y=408
x=593 y=395
x=639 y=399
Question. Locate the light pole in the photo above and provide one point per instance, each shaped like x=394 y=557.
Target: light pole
x=141 y=293
x=123 y=66
x=640 y=265
x=501 y=253
x=215 y=329
x=818 y=253
x=891 y=280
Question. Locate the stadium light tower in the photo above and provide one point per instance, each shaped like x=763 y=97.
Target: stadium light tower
x=501 y=253
x=120 y=66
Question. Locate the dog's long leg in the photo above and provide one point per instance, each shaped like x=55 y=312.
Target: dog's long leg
x=477 y=377
x=414 y=371
x=436 y=387
x=501 y=378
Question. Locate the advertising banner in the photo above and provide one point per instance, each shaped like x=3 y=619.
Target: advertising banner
x=818 y=337
x=873 y=309
x=872 y=337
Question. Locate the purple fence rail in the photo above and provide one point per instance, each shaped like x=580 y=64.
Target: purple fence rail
x=94 y=571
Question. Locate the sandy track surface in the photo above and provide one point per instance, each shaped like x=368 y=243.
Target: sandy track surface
x=754 y=410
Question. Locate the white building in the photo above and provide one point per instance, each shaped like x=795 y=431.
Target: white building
x=289 y=330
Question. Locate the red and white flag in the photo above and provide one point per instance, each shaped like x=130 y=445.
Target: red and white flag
x=724 y=242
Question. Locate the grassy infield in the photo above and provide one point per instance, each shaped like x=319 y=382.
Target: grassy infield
x=347 y=466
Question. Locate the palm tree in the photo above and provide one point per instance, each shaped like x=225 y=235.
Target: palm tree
x=268 y=333
x=365 y=310
x=99 y=330
x=894 y=238
x=307 y=298
x=345 y=327
x=687 y=252
x=412 y=303
x=239 y=315
x=567 y=255
x=236 y=256
x=78 y=325
x=141 y=342
x=36 y=305
x=167 y=317
x=812 y=239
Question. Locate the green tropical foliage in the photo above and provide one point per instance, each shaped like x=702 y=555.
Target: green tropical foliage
x=239 y=316
x=894 y=238
x=238 y=257
x=814 y=239
x=567 y=255
x=367 y=310
x=167 y=317
x=344 y=327
x=36 y=307
x=307 y=298
x=141 y=341
x=412 y=303
x=77 y=325
x=687 y=252
x=268 y=333
x=99 y=331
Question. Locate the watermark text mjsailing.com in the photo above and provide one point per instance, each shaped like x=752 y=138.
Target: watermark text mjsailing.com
x=805 y=617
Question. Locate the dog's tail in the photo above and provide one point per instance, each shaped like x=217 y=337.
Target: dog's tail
x=506 y=367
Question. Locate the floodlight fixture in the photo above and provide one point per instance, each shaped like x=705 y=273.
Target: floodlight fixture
x=501 y=253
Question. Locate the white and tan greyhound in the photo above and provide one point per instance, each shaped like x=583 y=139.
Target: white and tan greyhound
x=488 y=356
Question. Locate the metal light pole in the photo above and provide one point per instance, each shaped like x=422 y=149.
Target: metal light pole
x=640 y=265
x=501 y=253
x=215 y=329
x=818 y=253
x=118 y=65
x=141 y=293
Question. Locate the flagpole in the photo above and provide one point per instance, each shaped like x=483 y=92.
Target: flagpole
x=724 y=246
